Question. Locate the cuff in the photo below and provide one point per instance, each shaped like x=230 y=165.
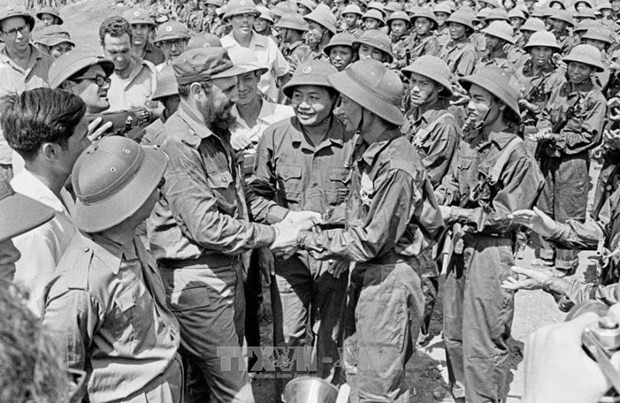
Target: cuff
x=276 y=213
x=266 y=235
x=301 y=239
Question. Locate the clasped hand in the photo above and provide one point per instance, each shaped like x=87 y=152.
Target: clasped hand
x=285 y=244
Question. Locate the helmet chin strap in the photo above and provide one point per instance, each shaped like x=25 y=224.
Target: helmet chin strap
x=476 y=125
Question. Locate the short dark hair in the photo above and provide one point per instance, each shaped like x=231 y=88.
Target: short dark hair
x=37 y=116
x=115 y=27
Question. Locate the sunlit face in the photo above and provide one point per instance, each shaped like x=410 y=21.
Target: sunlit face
x=173 y=48
x=369 y=52
x=349 y=113
x=441 y=18
x=457 y=31
x=482 y=107
x=94 y=96
x=60 y=49
x=315 y=33
x=422 y=25
x=422 y=89
x=47 y=20
x=398 y=27
x=579 y=72
x=600 y=45
x=340 y=56
x=371 y=23
x=15 y=33
x=260 y=24
x=118 y=50
x=247 y=87
x=140 y=34
x=541 y=55
x=350 y=20
x=516 y=23
x=243 y=23
x=312 y=104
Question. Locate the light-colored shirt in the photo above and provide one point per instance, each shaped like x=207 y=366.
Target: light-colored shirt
x=134 y=91
x=268 y=55
x=269 y=114
x=42 y=247
x=106 y=309
x=13 y=79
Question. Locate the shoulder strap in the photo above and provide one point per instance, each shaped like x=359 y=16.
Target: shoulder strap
x=500 y=164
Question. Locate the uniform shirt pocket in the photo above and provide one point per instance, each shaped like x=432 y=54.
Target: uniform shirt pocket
x=222 y=186
x=339 y=181
x=290 y=181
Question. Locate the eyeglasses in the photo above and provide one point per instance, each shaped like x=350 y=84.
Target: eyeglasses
x=176 y=42
x=99 y=80
x=13 y=31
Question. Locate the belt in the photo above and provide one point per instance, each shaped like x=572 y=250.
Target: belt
x=214 y=260
x=390 y=258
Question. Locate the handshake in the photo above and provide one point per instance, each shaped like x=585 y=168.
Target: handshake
x=285 y=244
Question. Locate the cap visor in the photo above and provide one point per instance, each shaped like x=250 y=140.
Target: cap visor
x=231 y=72
x=123 y=204
x=19 y=214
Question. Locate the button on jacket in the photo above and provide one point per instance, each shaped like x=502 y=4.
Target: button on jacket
x=106 y=308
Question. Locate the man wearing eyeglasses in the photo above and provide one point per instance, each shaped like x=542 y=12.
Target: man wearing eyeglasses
x=172 y=38
x=22 y=66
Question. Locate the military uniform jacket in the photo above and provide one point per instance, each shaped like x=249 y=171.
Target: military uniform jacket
x=537 y=89
x=391 y=209
x=460 y=57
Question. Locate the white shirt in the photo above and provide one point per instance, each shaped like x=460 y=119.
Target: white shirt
x=268 y=55
x=42 y=247
x=269 y=114
x=134 y=91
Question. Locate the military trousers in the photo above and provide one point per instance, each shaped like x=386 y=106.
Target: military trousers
x=477 y=320
x=382 y=319
x=307 y=300
x=166 y=388
x=207 y=298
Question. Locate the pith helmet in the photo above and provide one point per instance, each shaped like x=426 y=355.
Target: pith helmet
x=376 y=5
x=172 y=30
x=516 y=13
x=462 y=16
x=373 y=86
x=375 y=14
x=501 y=30
x=51 y=11
x=377 y=39
x=497 y=14
x=563 y=15
x=284 y=7
x=313 y=72
x=265 y=14
x=323 y=16
x=74 y=61
x=424 y=12
x=497 y=82
x=239 y=7
x=352 y=9
x=204 y=40
x=10 y=12
x=166 y=84
x=534 y=25
x=586 y=14
x=442 y=8
x=292 y=21
x=586 y=54
x=434 y=68
x=54 y=35
x=19 y=213
x=340 y=39
x=492 y=3
x=586 y=2
x=112 y=179
x=309 y=4
x=598 y=34
x=559 y=2
x=398 y=15
x=138 y=16
x=544 y=39
x=583 y=26
x=605 y=5
x=393 y=6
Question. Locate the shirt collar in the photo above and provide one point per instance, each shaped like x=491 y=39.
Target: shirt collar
x=29 y=185
x=501 y=139
x=382 y=142
x=196 y=124
x=111 y=253
x=36 y=55
x=335 y=134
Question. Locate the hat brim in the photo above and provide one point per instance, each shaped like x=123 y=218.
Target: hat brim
x=106 y=64
x=231 y=72
x=40 y=14
x=488 y=85
x=172 y=37
x=284 y=25
x=55 y=41
x=446 y=87
x=598 y=67
x=97 y=217
x=305 y=79
x=19 y=214
x=350 y=88
x=147 y=22
x=28 y=17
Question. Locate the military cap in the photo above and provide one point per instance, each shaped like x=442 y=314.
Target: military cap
x=434 y=68
x=399 y=15
x=424 y=12
x=482 y=15
x=284 y=7
x=497 y=14
x=172 y=30
x=246 y=59
x=586 y=54
x=598 y=34
x=323 y=16
x=19 y=213
x=516 y=13
x=534 y=25
x=54 y=35
x=497 y=82
x=204 y=40
x=352 y=9
x=376 y=5
x=501 y=30
x=442 y=8
x=203 y=64
x=540 y=11
x=340 y=39
x=112 y=179
x=138 y=16
x=312 y=72
x=462 y=16
x=378 y=40
x=373 y=86
x=74 y=61
x=542 y=39
x=265 y=14
x=166 y=84
x=584 y=26
x=375 y=14
x=292 y=21
x=240 y=7
x=563 y=15
x=51 y=11
x=586 y=2
x=10 y=12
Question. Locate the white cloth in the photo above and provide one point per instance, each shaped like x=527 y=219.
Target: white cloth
x=42 y=247
x=269 y=114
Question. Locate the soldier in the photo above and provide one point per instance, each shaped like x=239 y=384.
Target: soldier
x=264 y=22
x=571 y=124
x=350 y=19
x=374 y=44
x=517 y=19
x=372 y=19
x=340 y=50
x=49 y=16
x=305 y=6
x=141 y=27
x=537 y=79
x=442 y=12
x=55 y=40
x=167 y=93
x=303 y=163
x=561 y=20
x=399 y=30
x=321 y=28
x=201 y=228
x=497 y=35
x=106 y=306
x=601 y=39
x=172 y=38
x=460 y=54
x=292 y=27
x=435 y=132
x=493 y=176
x=423 y=42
